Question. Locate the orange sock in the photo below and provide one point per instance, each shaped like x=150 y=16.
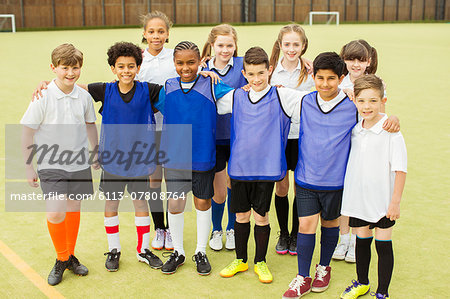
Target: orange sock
x=72 y=224
x=58 y=234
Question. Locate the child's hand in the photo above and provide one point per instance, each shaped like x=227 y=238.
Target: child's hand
x=392 y=124
x=37 y=92
x=246 y=87
x=393 y=212
x=32 y=177
x=95 y=164
x=203 y=62
x=308 y=64
x=349 y=92
x=279 y=86
x=214 y=77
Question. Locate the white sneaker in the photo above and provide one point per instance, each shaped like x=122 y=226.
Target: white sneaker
x=168 y=240
x=158 y=241
x=216 y=240
x=229 y=243
x=340 y=251
x=351 y=256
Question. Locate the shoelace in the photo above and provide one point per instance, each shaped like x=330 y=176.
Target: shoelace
x=172 y=255
x=353 y=285
x=216 y=234
x=233 y=264
x=168 y=236
x=263 y=267
x=297 y=283
x=230 y=233
x=149 y=253
x=341 y=245
x=74 y=262
x=199 y=258
x=159 y=234
x=110 y=255
x=321 y=272
x=60 y=267
x=378 y=295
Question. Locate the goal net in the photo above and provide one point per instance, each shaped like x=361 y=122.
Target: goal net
x=7 y=23
x=323 y=17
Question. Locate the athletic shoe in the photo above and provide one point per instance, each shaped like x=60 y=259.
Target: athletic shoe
x=236 y=266
x=150 y=259
x=216 y=240
x=76 y=267
x=229 y=243
x=298 y=287
x=203 y=265
x=282 y=246
x=171 y=265
x=351 y=256
x=355 y=290
x=57 y=272
x=263 y=272
x=158 y=240
x=168 y=245
x=340 y=251
x=112 y=260
x=379 y=296
x=293 y=245
x=322 y=279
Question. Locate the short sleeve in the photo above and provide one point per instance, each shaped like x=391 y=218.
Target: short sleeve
x=161 y=101
x=97 y=91
x=89 y=114
x=398 y=155
x=35 y=113
x=153 y=90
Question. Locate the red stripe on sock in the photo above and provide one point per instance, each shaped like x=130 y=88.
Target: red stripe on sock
x=141 y=230
x=112 y=229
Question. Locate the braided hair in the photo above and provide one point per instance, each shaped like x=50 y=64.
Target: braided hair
x=186 y=45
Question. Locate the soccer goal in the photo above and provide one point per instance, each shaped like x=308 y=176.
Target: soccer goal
x=7 y=23
x=330 y=14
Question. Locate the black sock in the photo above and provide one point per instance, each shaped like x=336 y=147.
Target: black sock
x=282 y=208
x=241 y=234
x=156 y=208
x=294 y=230
x=363 y=255
x=261 y=234
x=385 y=265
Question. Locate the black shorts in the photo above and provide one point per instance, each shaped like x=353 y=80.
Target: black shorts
x=113 y=186
x=382 y=223
x=75 y=184
x=222 y=156
x=183 y=181
x=247 y=195
x=310 y=202
x=292 y=154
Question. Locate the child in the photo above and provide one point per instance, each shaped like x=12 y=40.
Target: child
x=373 y=186
x=360 y=59
x=157 y=66
x=226 y=63
x=66 y=111
x=290 y=72
x=190 y=100
x=326 y=119
x=259 y=128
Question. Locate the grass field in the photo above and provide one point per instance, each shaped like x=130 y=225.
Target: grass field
x=413 y=61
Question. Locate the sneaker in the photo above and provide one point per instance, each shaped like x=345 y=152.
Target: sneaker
x=229 y=243
x=351 y=256
x=112 y=260
x=203 y=265
x=263 y=272
x=293 y=245
x=298 y=287
x=168 y=245
x=322 y=279
x=150 y=259
x=379 y=296
x=171 y=265
x=340 y=251
x=355 y=290
x=76 y=267
x=216 y=240
x=236 y=266
x=57 y=272
x=158 y=241
x=282 y=246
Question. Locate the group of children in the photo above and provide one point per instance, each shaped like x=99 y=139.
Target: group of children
x=255 y=117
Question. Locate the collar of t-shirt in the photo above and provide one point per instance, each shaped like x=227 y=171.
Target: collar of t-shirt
x=326 y=106
x=255 y=96
x=376 y=128
x=59 y=94
x=280 y=68
x=161 y=55
x=222 y=71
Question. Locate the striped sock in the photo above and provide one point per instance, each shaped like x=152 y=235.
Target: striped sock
x=143 y=232
x=112 y=232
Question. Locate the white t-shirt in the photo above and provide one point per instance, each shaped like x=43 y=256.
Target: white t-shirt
x=60 y=119
x=222 y=71
x=157 y=69
x=346 y=83
x=281 y=76
x=375 y=155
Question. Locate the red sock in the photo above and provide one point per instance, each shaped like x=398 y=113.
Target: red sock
x=58 y=234
x=72 y=225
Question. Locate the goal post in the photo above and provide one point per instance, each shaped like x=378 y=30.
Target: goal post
x=4 y=19
x=331 y=14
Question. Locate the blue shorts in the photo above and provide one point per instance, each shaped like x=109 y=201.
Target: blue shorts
x=311 y=202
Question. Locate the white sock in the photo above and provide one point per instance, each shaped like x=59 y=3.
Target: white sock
x=203 y=228
x=143 y=223
x=112 y=224
x=353 y=238
x=176 y=224
x=345 y=238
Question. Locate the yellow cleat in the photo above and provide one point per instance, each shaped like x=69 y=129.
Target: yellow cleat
x=355 y=290
x=263 y=272
x=236 y=266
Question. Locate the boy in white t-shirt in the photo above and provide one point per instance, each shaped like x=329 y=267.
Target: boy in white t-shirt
x=373 y=186
x=56 y=131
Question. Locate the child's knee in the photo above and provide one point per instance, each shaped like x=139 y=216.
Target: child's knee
x=243 y=217
x=261 y=220
x=282 y=187
x=202 y=204
x=56 y=217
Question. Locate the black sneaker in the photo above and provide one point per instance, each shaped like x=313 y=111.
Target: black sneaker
x=76 y=267
x=172 y=264
x=293 y=244
x=283 y=244
x=150 y=259
x=203 y=266
x=57 y=272
x=112 y=260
